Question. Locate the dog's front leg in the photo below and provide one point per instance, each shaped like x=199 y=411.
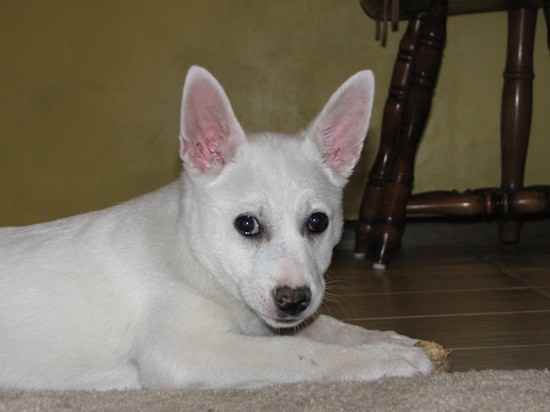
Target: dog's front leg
x=329 y=330
x=232 y=360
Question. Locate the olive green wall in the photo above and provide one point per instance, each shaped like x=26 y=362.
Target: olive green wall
x=90 y=92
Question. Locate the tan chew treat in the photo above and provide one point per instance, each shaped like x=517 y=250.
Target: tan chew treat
x=437 y=353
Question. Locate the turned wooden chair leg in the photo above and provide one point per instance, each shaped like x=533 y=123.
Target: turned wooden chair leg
x=371 y=214
x=382 y=216
x=516 y=110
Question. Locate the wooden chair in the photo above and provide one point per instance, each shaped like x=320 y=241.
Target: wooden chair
x=387 y=199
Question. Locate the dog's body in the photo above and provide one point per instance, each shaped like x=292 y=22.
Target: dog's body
x=185 y=286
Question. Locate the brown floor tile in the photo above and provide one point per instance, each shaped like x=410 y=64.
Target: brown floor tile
x=352 y=278
x=436 y=304
x=539 y=278
x=472 y=331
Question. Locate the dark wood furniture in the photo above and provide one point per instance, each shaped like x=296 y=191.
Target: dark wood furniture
x=387 y=200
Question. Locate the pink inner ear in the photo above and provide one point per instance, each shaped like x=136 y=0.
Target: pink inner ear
x=207 y=117
x=206 y=153
x=342 y=126
x=341 y=133
x=341 y=150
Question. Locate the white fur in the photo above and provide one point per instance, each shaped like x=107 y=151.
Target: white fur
x=162 y=291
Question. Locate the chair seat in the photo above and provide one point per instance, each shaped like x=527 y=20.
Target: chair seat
x=410 y=8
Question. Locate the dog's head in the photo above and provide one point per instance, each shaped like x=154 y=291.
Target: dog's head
x=263 y=212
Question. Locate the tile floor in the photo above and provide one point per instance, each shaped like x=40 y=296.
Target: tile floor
x=490 y=304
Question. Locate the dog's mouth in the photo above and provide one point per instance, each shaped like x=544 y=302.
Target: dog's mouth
x=284 y=322
x=289 y=326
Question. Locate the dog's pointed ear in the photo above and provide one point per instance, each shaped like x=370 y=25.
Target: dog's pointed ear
x=209 y=131
x=339 y=130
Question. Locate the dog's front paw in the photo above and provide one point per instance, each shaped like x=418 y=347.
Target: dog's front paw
x=393 y=359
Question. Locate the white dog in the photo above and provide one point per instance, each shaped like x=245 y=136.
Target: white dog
x=187 y=286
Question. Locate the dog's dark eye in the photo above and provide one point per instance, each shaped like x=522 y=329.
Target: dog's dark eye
x=247 y=225
x=317 y=222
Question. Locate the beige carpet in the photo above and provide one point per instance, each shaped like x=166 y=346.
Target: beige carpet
x=527 y=390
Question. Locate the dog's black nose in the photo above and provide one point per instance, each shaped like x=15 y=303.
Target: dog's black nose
x=292 y=301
